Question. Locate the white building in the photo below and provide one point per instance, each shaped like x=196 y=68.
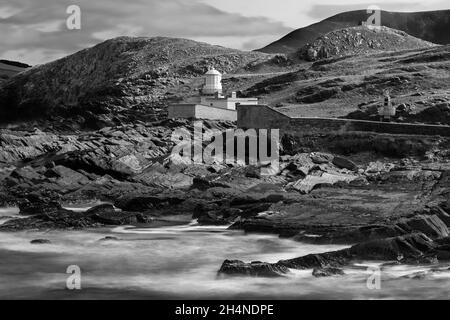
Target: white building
x=213 y=83
x=211 y=103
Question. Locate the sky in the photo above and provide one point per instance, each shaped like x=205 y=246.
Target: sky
x=35 y=31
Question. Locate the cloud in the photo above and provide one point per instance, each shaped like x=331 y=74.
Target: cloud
x=37 y=29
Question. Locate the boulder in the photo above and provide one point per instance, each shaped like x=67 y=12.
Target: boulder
x=109 y=238
x=344 y=163
x=327 y=272
x=101 y=209
x=255 y=269
x=411 y=246
x=322 y=260
x=116 y=218
x=212 y=218
x=40 y=241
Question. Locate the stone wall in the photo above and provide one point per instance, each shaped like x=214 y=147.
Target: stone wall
x=265 y=117
x=260 y=117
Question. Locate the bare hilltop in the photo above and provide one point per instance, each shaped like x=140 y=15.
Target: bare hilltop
x=430 y=26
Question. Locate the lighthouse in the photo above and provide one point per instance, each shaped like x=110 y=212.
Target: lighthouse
x=213 y=83
x=210 y=103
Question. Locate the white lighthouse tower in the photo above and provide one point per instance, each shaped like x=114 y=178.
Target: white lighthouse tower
x=211 y=103
x=213 y=82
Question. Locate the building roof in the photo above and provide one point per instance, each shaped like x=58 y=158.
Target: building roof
x=213 y=71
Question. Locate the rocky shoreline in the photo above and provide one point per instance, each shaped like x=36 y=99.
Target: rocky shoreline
x=383 y=206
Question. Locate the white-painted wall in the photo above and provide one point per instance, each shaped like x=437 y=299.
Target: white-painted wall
x=198 y=111
x=227 y=103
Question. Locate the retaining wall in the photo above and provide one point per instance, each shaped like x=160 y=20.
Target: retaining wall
x=262 y=116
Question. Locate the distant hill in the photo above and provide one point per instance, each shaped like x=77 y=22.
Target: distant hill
x=360 y=40
x=15 y=63
x=11 y=68
x=122 y=79
x=432 y=26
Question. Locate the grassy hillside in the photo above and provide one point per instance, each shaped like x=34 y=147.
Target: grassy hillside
x=418 y=79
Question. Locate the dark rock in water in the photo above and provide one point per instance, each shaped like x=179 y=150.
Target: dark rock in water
x=256 y=268
x=202 y=208
x=327 y=272
x=210 y=213
x=321 y=261
x=211 y=218
x=416 y=276
x=412 y=249
x=312 y=261
x=116 y=218
x=253 y=209
x=361 y=234
x=109 y=238
x=40 y=241
x=344 y=163
x=101 y=209
x=145 y=203
x=411 y=246
x=141 y=218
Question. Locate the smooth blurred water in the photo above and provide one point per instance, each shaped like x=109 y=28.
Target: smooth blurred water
x=181 y=262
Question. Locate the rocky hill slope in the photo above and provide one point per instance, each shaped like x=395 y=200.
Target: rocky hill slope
x=360 y=40
x=430 y=26
x=338 y=86
x=118 y=80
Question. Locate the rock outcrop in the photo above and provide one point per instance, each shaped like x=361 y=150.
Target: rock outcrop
x=360 y=40
x=433 y=25
x=412 y=248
